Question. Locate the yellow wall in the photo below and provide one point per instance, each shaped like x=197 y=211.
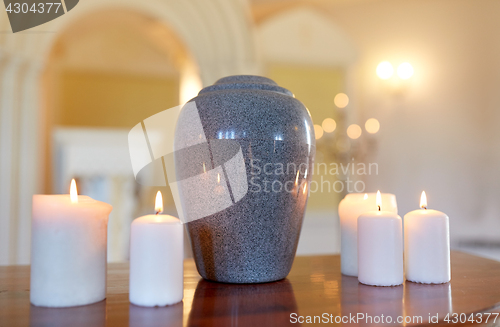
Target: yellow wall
x=97 y=99
x=316 y=87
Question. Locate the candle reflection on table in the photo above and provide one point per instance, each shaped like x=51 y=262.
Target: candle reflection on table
x=81 y=316
x=267 y=304
x=431 y=299
x=411 y=301
x=156 y=316
x=371 y=301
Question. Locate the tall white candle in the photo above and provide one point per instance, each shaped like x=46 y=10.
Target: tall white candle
x=156 y=259
x=427 y=245
x=380 y=247
x=68 y=250
x=353 y=205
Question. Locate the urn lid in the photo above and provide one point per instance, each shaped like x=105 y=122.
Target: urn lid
x=247 y=107
x=241 y=82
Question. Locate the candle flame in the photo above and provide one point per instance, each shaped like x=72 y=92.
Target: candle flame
x=423 y=200
x=218 y=178
x=366 y=196
x=297 y=177
x=204 y=168
x=379 y=200
x=73 y=193
x=159 y=203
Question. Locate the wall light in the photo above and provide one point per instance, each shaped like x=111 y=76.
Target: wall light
x=354 y=131
x=318 y=131
x=385 y=70
x=329 y=125
x=341 y=100
x=372 y=126
x=405 y=70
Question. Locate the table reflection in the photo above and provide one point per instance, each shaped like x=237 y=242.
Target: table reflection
x=407 y=304
x=428 y=299
x=156 y=316
x=82 y=316
x=218 y=304
x=371 y=301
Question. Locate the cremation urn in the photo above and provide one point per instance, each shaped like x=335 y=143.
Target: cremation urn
x=244 y=151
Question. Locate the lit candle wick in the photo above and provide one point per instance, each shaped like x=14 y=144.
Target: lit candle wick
x=73 y=193
x=379 y=200
x=423 y=201
x=158 y=203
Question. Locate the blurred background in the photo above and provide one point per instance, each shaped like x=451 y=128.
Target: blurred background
x=411 y=86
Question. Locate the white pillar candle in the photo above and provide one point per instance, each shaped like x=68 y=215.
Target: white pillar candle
x=156 y=259
x=427 y=245
x=353 y=205
x=380 y=248
x=68 y=250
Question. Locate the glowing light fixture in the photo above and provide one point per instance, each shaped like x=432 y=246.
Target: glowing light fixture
x=354 y=131
x=405 y=70
x=329 y=125
x=385 y=70
x=318 y=131
x=372 y=126
x=341 y=100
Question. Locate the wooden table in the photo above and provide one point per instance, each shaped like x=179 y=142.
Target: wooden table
x=314 y=287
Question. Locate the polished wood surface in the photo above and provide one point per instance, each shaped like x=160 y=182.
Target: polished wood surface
x=313 y=288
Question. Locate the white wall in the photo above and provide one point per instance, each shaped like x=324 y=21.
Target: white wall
x=441 y=134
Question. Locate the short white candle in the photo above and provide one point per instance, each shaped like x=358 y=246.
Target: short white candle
x=427 y=245
x=353 y=205
x=68 y=250
x=156 y=259
x=380 y=248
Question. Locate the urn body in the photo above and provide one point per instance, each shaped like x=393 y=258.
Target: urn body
x=244 y=153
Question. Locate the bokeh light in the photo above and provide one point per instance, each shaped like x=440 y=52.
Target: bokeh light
x=405 y=70
x=329 y=125
x=354 y=131
x=385 y=70
x=341 y=100
x=372 y=125
x=318 y=131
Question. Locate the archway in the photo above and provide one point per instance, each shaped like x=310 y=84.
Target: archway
x=218 y=36
x=106 y=72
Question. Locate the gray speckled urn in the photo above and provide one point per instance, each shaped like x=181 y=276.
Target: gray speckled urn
x=249 y=178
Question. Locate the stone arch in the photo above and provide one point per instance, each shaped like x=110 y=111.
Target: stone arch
x=304 y=35
x=218 y=34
